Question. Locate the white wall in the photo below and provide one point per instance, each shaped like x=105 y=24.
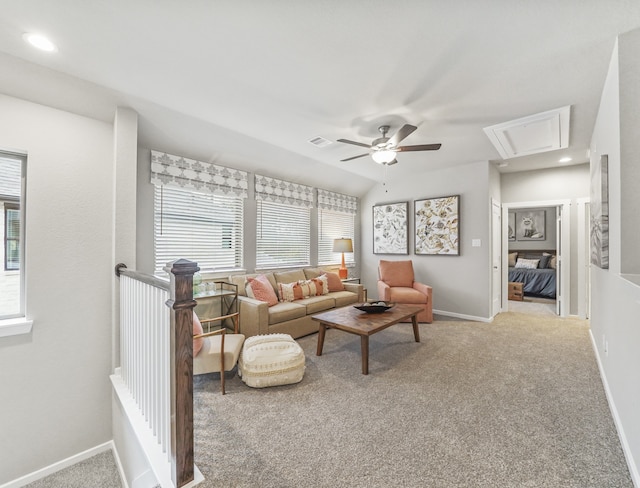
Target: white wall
x=615 y=302
x=56 y=394
x=561 y=183
x=461 y=284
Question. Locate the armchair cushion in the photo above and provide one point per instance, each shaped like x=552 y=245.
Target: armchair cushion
x=396 y=273
x=197 y=330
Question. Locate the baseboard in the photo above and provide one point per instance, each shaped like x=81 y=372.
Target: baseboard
x=55 y=467
x=633 y=469
x=463 y=316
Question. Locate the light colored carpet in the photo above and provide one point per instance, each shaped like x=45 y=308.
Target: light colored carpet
x=514 y=403
x=99 y=471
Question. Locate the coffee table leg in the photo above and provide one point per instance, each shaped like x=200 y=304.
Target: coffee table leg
x=364 y=345
x=416 y=332
x=321 y=331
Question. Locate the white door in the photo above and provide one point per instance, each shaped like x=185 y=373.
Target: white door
x=496 y=258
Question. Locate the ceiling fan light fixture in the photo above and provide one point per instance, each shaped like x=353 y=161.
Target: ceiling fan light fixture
x=384 y=156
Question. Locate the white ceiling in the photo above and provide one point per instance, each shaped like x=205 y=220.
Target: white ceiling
x=248 y=83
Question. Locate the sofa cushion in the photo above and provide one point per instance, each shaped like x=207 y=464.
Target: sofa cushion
x=343 y=298
x=289 y=276
x=317 y=304
x=284 y=311
x=396 y=273
x=260 y=289
x=310 y=273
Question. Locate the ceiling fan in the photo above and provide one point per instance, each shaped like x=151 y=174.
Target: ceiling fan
x=384 y=149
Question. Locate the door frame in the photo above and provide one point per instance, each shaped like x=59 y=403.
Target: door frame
x=563 y=254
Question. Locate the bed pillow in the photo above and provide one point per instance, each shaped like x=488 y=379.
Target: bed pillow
x=544 y=261
x=260 y=289
x=552 y=260
x=527 y=263
x=512 y=258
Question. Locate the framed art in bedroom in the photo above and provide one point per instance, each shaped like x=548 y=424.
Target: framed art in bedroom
x=531 y=225
x=437 y=226
x=391 y=228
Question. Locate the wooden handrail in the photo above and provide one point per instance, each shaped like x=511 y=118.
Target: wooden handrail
x=121 y=269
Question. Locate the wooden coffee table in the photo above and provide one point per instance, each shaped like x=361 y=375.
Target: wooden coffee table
x=354 y=321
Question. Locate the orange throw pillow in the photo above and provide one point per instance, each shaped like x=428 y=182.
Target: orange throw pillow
x=262 y=290
x=335 y=284
x=197 y=329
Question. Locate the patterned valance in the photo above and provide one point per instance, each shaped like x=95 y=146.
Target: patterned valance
x=280 y=191
x=337 y=201
x=169 y=170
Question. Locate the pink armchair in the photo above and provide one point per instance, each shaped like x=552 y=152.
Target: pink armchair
x=396 y=284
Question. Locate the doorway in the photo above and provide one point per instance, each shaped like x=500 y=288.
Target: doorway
x=562 y=247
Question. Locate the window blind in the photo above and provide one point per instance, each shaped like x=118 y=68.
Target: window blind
x=334 y=225
x=202 y=227
x=282 y=235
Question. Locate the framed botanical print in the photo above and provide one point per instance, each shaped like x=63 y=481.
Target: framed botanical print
x=390 y=228
x=437 y=226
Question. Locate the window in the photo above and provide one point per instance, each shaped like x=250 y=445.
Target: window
x=12 y=171
x=283 y=235
x=336 y=219
x=201 y=227
x=283 y=223
x=334 y=225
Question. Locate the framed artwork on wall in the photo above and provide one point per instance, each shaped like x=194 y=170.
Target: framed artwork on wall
x=531 y=225
x=437 y=226
x=512 y=226
x=390 y=228
x=600 y=213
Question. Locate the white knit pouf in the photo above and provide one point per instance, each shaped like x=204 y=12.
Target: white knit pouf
x=271 y=360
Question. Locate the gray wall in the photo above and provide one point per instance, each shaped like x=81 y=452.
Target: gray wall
x=615 y=300
x=461 y=284
x=56 y=394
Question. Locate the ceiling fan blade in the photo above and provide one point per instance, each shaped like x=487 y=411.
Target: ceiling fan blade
x=346 y=141
x=403 y=132
x=355 y=157
x=392 y=162
x=419 y=147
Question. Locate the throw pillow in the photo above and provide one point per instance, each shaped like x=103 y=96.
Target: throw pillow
x=552 y=260
x=197 y=329
x=260 y=289
x=299 y=290
x=512 y=259
x=334 y=282
x=322 y=282
x=527 y=263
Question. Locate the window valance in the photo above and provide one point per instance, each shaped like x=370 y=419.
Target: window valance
x=280 y=191
x=338 y=202
x=176 y=171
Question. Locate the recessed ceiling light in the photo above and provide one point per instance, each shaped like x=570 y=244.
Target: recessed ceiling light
x=39 y=41
x=564 y=160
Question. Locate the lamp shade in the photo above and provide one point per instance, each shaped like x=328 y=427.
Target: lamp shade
x=342 y=245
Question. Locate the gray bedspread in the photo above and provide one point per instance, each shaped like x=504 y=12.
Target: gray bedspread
x=536 y=282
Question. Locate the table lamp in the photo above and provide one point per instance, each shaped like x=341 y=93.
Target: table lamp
x=342 y=245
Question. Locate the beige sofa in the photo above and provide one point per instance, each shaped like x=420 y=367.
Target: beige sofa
x=293 y=318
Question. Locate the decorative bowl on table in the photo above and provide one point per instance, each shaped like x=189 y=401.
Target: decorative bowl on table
x=375 y=307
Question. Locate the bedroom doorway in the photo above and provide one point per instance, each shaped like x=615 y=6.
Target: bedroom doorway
x=529 y=236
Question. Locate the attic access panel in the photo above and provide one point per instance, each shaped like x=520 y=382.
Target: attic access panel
x=546 y=131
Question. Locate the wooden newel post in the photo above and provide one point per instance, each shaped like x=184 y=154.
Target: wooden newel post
x=181 y=304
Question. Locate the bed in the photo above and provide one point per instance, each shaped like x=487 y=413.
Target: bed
x=536 y=282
